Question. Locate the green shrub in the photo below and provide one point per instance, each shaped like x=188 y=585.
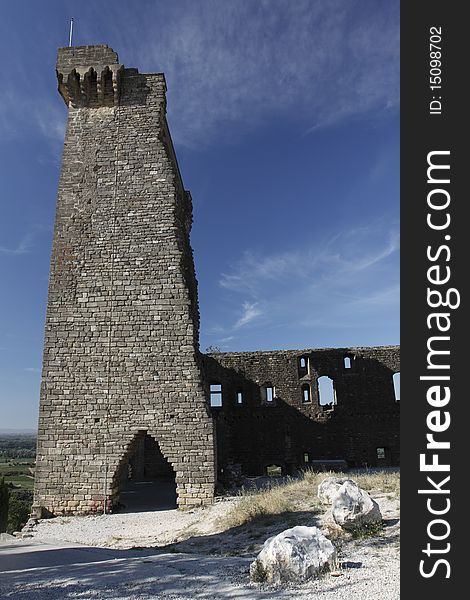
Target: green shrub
x=18 y=513
x=4 y=497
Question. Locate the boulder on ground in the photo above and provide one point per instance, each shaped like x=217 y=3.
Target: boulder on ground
x=353 y=508
x=296 y=554
x=329 y=487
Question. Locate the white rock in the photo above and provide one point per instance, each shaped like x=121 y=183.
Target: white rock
x=329 y=487
x=353 y=508
x=296 y=554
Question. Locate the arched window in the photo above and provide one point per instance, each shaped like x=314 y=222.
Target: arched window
x=326 y=391
x=396 y=386
x=306 y=393
x=216 y=395
x=303 y=366
x=239 y=396
x=347 y=362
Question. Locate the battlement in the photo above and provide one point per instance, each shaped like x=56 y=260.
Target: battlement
x=89 y=75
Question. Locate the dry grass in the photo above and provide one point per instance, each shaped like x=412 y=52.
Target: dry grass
x=300 y=494
x=385 y=482
x=335 y=533
x=380 y=481
x=254 y=505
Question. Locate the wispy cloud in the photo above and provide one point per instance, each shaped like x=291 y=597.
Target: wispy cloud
x=24 y=246
x=51 y=121
x=32 y=369
x=231 y=66
x=227 y=339
x=244 y=62
x=345 y=254
x=346 y=279
x=21 y=116
x=250 y=310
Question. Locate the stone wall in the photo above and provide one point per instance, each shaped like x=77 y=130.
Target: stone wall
x=124 y=388
x=121 y=342
x=293 y=429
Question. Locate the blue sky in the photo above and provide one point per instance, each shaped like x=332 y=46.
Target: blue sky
x=285 y=118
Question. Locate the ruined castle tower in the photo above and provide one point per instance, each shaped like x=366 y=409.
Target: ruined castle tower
x=121 y=372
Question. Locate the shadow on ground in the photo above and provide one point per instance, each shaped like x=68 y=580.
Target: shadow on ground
x=202 y=567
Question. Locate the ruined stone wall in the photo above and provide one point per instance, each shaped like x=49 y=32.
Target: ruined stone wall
x=121 y=342
x=293 y=429
x=121 y=360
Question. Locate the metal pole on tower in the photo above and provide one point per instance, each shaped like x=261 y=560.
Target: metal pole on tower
x=71 y=32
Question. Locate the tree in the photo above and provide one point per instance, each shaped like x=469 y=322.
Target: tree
x=213 y=350
x=18 y=514
x=4 y=502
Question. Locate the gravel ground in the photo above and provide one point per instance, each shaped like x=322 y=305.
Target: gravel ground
x=184 y=577
x=184 y=555
x=145 y=529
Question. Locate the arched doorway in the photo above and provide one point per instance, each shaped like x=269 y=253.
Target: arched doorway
x=144 y=480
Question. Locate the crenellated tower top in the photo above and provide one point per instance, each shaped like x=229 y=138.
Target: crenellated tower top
x=89 y=75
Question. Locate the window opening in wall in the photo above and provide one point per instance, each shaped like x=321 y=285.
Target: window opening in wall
x=306 y=457
x=381 y=453
x=216 y=395
x=303 y=366
x=306 y=393
x=267 y=392
x=274 y=470
x=396 y=386
x=239 y=397
x=326 y=392
x=347 y=362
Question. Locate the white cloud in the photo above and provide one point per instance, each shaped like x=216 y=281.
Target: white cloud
x=22 y=116
x=343 y=256
x=51 y=121
x=353 y=275
x=232 y=65
x=252 y=269
x=242 y=62
x=24 y=246
x=250 y=312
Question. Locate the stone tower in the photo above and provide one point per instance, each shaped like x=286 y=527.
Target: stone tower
x=121 y=369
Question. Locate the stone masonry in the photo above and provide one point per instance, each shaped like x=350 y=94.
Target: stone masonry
x=125 y=392
x=121 y=342
x=293 y=429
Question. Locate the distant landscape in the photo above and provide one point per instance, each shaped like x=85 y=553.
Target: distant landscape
x=17 y=432
x=17 y=462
